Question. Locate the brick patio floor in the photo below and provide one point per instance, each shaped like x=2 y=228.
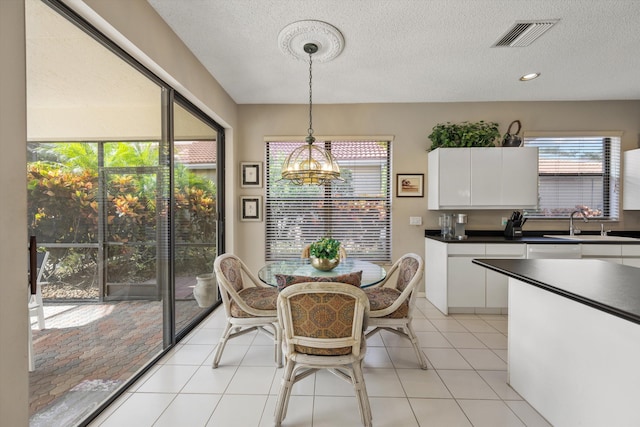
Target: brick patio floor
x=89 y=349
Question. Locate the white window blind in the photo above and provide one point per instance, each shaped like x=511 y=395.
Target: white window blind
x=357 y=212
x=577 y=173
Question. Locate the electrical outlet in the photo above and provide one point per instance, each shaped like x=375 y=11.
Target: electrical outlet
x=504 y=220
x=415 y=220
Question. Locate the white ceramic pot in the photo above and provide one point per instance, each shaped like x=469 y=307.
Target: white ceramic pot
x=205 y=290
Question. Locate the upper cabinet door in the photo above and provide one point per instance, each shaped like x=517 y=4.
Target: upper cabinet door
x=520 y=177
x=486 y=177
x=449 y=178
x=631 y=180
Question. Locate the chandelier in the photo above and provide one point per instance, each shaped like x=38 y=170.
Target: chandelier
x=310 y=164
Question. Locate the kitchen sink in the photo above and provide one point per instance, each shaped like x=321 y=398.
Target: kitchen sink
x=592 y=238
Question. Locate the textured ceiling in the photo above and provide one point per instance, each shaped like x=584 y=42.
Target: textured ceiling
x=416 y=50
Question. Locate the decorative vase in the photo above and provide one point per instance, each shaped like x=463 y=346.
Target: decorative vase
x=324 y=264
x=205 y=290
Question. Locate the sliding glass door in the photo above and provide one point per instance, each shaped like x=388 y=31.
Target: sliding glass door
x=196 y=201
x=123 y=193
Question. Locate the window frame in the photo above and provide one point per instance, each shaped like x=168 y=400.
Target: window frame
x=330 y=204
x=611 y=168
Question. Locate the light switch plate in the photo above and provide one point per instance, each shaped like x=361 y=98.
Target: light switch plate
x=415 y=220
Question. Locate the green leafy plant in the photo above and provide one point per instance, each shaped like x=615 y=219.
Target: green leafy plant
x=326 y=248
x=63 y=207
x=465 y=134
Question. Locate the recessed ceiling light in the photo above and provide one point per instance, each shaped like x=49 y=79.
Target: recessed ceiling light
x=529 y=76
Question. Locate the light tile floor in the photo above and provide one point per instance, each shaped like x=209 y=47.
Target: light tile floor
x=465 y=384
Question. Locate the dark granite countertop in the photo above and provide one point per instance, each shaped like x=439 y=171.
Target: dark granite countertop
x=497 y=236
x=605 y=286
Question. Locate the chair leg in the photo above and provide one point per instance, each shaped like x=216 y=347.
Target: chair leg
x=278 y=344
x=361 y=393
x=285 y=392
x=220 y=347
x=32 y=364
x=422 y=359
x=40 y=311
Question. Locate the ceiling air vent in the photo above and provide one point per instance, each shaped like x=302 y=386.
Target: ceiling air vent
x=524 y=33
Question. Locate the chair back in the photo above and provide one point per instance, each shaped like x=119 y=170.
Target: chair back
x=324 y=319
x=230 y=274
x=410 y=270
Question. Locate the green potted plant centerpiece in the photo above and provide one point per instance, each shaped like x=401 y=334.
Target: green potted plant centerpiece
x=325 y=254
x=465 y=134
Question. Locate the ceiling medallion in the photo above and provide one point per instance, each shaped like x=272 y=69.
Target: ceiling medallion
x=328 y=38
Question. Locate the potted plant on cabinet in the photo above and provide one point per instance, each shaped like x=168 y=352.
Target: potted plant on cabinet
x=465 y=134
x=324 y=254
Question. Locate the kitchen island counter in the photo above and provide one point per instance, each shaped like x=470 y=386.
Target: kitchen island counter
x=605 y=286
x=574 y=338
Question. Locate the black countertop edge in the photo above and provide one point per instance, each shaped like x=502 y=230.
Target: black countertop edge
x=598 y=305
x=534 y=236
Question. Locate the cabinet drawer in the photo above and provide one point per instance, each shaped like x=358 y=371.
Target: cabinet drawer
x=631 y=250
x=466 y=249
x=601 y=250
x=516 y=250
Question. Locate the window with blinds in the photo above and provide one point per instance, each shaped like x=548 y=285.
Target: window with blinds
x=577 y=173
x=357 y=212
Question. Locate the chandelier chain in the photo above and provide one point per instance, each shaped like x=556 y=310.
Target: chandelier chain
x=310 y=130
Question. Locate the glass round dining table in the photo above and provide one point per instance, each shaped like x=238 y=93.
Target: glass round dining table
x=371 y=273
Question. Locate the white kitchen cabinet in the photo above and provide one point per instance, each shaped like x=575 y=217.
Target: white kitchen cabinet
x=483 y=178
x=611 y=253
x=631 y=180
x=465 y=280
x=520 y=177
x=449 y=178
x=631 y=255
x=486 y=177
x=454 y=284
x=497 y=284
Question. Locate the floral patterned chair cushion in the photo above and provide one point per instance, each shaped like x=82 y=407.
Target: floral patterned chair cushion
x=381 y=298
x=258 y=298
x=284 y=280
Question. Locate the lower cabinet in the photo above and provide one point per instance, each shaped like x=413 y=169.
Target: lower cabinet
x=462 y=286
x=465 y=280
x=608 y=252
x=454 y=284
x=631 y=255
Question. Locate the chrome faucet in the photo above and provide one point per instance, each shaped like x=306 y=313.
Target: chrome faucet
x=572 y=230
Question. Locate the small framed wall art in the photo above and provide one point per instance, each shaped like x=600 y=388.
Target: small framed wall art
x=251 y=208
x=251 y=174
x=410 y=185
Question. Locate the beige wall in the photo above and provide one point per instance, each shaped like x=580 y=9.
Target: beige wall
x=13 y=217
x=410 y=124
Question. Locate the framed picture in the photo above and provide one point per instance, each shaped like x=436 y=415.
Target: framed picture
x=251 y=208
x=250 y=174
x=410 y=185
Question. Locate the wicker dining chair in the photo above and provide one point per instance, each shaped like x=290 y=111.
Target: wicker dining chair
x=393 y=302
x=323 y=326
x=248 y=303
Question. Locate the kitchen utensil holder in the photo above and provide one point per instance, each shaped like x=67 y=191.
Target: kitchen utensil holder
x=511 y=231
